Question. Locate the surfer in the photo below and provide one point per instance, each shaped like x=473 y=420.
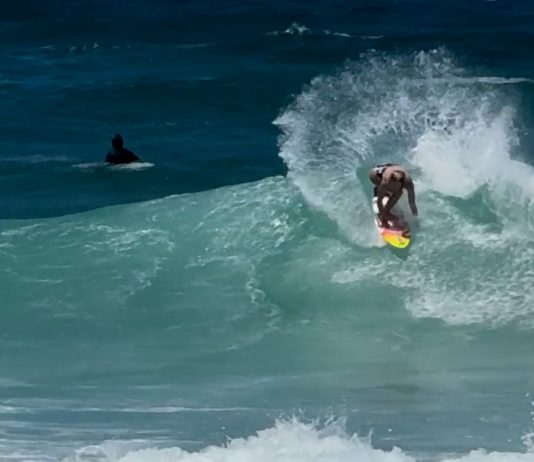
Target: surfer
x=390 y=180
x=119 y=154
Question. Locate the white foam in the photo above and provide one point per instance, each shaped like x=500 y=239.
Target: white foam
x=420 y=110
x=474 y=154
x=90 y=165
x=294 y=29
x=133 y=166
x=291 y=441
x=300 y=30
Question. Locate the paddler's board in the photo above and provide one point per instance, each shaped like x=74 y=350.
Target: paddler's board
x=396 y=236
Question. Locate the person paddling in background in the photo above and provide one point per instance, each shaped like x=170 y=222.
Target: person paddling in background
x=119 y=154
x=390 y=180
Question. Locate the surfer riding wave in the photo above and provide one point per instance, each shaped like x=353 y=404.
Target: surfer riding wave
x=390 y=180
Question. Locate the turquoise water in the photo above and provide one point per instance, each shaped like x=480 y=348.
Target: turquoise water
x=229 y=299
x=179 y=322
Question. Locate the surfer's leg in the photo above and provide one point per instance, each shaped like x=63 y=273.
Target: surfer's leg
x=393 y=199
x=389 y=217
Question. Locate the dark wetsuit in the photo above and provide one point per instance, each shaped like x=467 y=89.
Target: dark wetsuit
x=121 y=156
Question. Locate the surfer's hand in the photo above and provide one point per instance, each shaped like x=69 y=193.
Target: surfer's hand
x=414 y=211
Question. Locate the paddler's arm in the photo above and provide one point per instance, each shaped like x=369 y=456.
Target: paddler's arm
x=408 y=184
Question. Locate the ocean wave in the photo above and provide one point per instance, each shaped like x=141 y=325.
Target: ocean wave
x=244 y=228
x=457 y=139
x=286 y=441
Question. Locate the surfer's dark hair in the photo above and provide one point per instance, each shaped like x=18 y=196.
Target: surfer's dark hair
x=117 y=141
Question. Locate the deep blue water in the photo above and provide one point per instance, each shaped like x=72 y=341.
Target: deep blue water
x=233 y=283
x=194 y=86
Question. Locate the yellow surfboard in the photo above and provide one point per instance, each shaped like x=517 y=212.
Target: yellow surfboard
x=398 y=237
x=395 y=238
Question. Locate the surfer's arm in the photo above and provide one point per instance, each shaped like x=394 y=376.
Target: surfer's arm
x=411 y=196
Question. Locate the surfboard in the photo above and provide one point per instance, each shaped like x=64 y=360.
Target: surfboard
x=396 y=236
x=96 y=166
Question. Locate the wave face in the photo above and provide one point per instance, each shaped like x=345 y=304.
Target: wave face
x=184 y=321
x=456 y=134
